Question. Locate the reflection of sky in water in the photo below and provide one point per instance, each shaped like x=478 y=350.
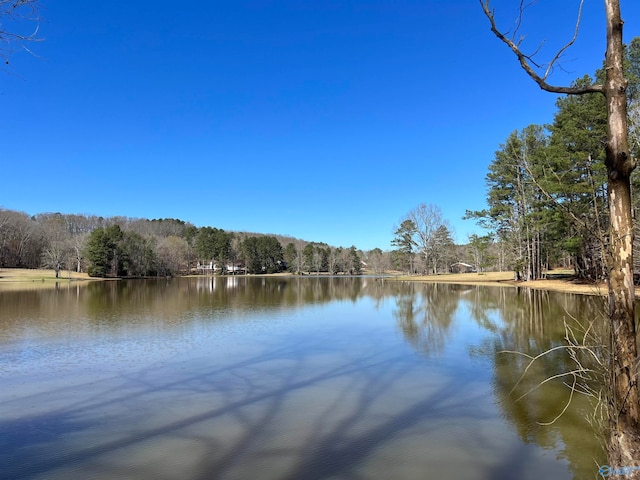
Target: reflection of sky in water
x=330 y=390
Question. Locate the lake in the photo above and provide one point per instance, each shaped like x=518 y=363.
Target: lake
x=289 y=378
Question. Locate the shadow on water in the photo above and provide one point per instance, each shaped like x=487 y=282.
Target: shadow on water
x=310 y=407
x=330 y=447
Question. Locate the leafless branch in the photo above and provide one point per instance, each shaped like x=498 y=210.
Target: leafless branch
x=555 y=201
x=563 y=49
x=532 y=360
x=17 y=11
x=573 y=373
x=581 y=343
x=521 y=10
x=573 y=389
x=526 y=61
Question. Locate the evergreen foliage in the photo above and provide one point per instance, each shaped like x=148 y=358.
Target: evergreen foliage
x=547 y=185
x=263 y=254
x=405 y=245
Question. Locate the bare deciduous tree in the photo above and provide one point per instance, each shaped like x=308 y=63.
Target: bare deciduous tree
x=78 y=244
x=172 y=254
x=427 y=219
x=624 y=411
x=376 y=261
x=56 y=255
x=21 y=242
x=333 y=260
x=17 y=19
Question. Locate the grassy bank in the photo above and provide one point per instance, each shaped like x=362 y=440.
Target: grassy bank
x=26 y=278
x=565 y=283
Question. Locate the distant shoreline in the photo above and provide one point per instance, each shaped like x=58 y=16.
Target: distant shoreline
x=24 y=278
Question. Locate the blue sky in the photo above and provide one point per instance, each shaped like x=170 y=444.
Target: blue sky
x=325 y=120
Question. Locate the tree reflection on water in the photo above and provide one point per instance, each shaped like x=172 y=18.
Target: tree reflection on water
x=308 y=403
x=521 y=321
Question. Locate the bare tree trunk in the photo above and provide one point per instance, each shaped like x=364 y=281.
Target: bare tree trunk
x=624 y=401
x=624 y=446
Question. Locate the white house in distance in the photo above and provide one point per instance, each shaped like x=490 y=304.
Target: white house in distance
x=210 y=268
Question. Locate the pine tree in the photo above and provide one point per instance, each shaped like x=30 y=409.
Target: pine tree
x=405 y=244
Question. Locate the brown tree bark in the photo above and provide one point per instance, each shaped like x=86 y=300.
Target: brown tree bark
x=624 y=441
x=624 y=401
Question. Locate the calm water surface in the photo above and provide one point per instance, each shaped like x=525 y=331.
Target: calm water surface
x=276 y=378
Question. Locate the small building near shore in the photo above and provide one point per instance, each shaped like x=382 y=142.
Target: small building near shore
x=461 y=267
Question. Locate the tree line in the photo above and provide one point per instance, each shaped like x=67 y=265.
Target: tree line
x=547 y=186
x=546 y=195
x=132 y=247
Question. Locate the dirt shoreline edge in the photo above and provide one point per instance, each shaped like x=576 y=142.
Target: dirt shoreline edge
x=21 y=278
x=505 y=279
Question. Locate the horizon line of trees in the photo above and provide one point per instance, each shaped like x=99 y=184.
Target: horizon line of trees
x=134 y=247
